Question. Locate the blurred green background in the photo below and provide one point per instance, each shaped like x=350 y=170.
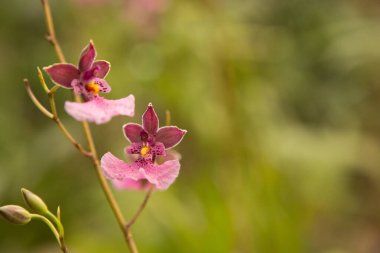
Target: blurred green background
x=280 y=100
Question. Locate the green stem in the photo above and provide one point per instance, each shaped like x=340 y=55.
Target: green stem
x=53 y=229
x=35 y=100
x=57 y=222
x=51 y=31
x=141 y=208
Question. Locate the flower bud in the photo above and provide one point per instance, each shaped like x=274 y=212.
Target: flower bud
x=34 y=202
x=59 y=213
x=15 y=214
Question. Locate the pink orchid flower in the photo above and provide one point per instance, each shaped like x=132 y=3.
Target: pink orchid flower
x=148 y=142
x=88 y=80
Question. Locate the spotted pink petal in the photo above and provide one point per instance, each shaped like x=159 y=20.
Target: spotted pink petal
x=114 y=168
x=100 y=110
x=101 y=68
x=62 y=74
x=162 y=176
x=87 y=57
x=134 y=148
x=170 y=136
x=150 y=120
x=158 y=149
x=104 y=86
x=132 y=132
x=127 y=183
x=77 y=86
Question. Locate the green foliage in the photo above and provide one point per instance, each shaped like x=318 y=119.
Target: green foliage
x=280 y=100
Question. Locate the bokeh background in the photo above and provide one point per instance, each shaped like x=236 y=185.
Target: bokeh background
x=280 y=100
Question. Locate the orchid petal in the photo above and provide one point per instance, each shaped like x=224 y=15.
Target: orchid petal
x=77 y=86
x=158 y=149
x=162 y=176
x=87 y=75
x=124 y=106
x=103 y=85
x=62 y=74
x=127 y=183
x=100 y=110
x=170 y=136
x=150 y=120
x=87 y=57
x=132 y=132
x=114 y=168
x=134 y=148
x=101 y=68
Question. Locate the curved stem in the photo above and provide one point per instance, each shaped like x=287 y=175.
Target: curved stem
x=53 y=229
x=35 y=100
x=141 y=208
x=57 y=222
x=53 y=114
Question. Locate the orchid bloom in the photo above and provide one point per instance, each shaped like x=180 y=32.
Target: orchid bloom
x=88 y=80
x=148 y=142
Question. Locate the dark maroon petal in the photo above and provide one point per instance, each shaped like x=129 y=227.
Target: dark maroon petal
x=101 y=68
x=133 y=132
x=87 y=57
x=62 y=74
x=170 y=136
x=150 y=120
x=87 y=75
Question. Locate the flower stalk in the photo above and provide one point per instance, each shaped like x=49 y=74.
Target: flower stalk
x=150 y=190
x=57 y=235
x=141 y=208
x=88 y=134
x=148 y=141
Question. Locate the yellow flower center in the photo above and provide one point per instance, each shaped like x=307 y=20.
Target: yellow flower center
x=144 y=150
x=92 y=87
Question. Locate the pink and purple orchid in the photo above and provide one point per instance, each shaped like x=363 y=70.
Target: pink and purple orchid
x=148 y=142
x=88 y=80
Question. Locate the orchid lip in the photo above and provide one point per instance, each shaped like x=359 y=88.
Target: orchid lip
x=92 y=88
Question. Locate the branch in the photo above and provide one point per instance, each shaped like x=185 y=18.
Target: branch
x=51 y=31
x=35 y=101
x=53 y=116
